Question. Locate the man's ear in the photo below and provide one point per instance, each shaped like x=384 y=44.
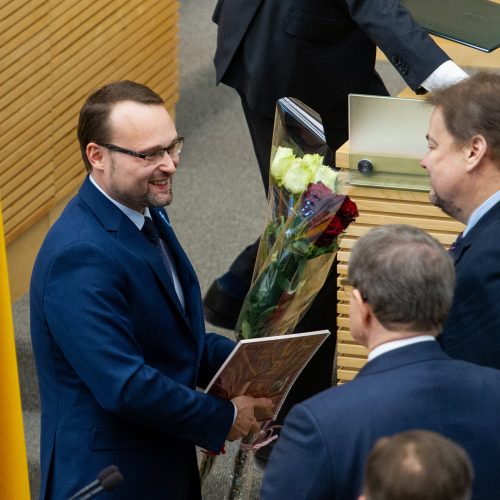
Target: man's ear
x=363 y=306
x=95 y=155
x=475 y=152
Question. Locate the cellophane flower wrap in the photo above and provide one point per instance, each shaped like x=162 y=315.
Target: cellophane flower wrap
x=307 y=216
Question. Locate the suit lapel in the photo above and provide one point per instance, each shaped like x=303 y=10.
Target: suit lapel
x=185 y=272
x=460 y=247
x=135 y=241
x=476 y=232
x=114 y=220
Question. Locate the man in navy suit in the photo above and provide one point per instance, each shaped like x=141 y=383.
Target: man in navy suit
x=116 y=318
x=463 y=163
x=402 y=290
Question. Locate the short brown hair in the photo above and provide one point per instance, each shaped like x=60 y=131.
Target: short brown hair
x=418 y=465
x=405 y=275
x=472 y=107
x=93 y=121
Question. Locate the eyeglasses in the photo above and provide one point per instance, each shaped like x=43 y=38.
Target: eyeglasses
x=151 y=157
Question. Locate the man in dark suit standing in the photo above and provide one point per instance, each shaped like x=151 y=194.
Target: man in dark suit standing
x=463 y=163
x=402 y=290
x=318 y=51
x=116 y=318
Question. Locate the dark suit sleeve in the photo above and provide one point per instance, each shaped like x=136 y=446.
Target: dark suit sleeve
x=217 y=349
x=88 y=314
x=299 y=466
x=404 y=42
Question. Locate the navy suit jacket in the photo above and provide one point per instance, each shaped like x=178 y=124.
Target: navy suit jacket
x=118 y=358
x=472 y=329
x=318 y=51
x=326 y=439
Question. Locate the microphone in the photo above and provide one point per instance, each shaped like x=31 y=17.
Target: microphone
x=107 y=479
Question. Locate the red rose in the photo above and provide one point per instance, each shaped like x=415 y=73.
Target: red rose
x=335 y=227
x=314 y=198
x=347 y=212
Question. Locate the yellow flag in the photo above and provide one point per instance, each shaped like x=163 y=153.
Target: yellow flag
x=14 y=483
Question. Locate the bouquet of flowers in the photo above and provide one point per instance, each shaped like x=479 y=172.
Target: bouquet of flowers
x=307 y=215
x=298 y=245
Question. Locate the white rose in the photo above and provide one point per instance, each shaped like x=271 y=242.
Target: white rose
x=282 y=161
x=327 y=176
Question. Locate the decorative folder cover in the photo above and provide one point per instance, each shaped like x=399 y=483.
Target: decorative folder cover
x=266 y=367
x=475 y=23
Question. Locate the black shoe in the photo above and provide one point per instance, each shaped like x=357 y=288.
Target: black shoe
x=222 y=304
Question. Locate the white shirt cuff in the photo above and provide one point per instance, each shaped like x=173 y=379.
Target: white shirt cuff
x=235 y=412
x=445 y=75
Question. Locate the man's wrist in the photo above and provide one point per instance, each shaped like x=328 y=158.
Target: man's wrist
x=445 y=75
x=235 y=412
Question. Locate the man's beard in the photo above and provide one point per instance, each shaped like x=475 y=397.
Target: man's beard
x=448 y=207
x=159 y=200
x=137 y=200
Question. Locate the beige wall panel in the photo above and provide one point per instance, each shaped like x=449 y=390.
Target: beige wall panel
x=21 y=254
x=25 y=85
x=33 y=19
x=28 y=157
x=10 y=8
x=26 y=181
x=29 y=201
x=54 y=53
x=68 y=177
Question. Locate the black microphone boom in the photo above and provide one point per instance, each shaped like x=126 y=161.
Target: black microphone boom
x=107 y=479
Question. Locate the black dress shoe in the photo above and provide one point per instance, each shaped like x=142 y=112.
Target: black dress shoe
x=221 y=307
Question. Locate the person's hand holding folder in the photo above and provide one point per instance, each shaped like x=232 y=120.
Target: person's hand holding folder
x=245 y=421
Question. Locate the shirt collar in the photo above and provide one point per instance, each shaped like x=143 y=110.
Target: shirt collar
x=481 y=210
x=136 y=217
x=396 y=344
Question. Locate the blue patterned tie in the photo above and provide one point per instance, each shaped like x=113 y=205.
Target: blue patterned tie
x=455 y=243
x=151 y=232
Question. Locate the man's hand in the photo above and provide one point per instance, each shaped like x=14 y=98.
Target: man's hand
x=245 y=419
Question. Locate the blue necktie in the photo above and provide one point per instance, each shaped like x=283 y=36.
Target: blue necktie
x=151 y=232
x=455 y=243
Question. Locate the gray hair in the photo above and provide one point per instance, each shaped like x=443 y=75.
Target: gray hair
x=405 y=275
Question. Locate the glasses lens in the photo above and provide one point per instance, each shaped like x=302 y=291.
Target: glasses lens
x=175 y=148
x=155 y=156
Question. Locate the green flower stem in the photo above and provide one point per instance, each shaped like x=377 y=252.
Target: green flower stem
x=241 y=470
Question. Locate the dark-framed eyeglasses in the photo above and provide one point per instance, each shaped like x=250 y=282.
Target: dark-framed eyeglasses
x=151 y=157
x=350 y=283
